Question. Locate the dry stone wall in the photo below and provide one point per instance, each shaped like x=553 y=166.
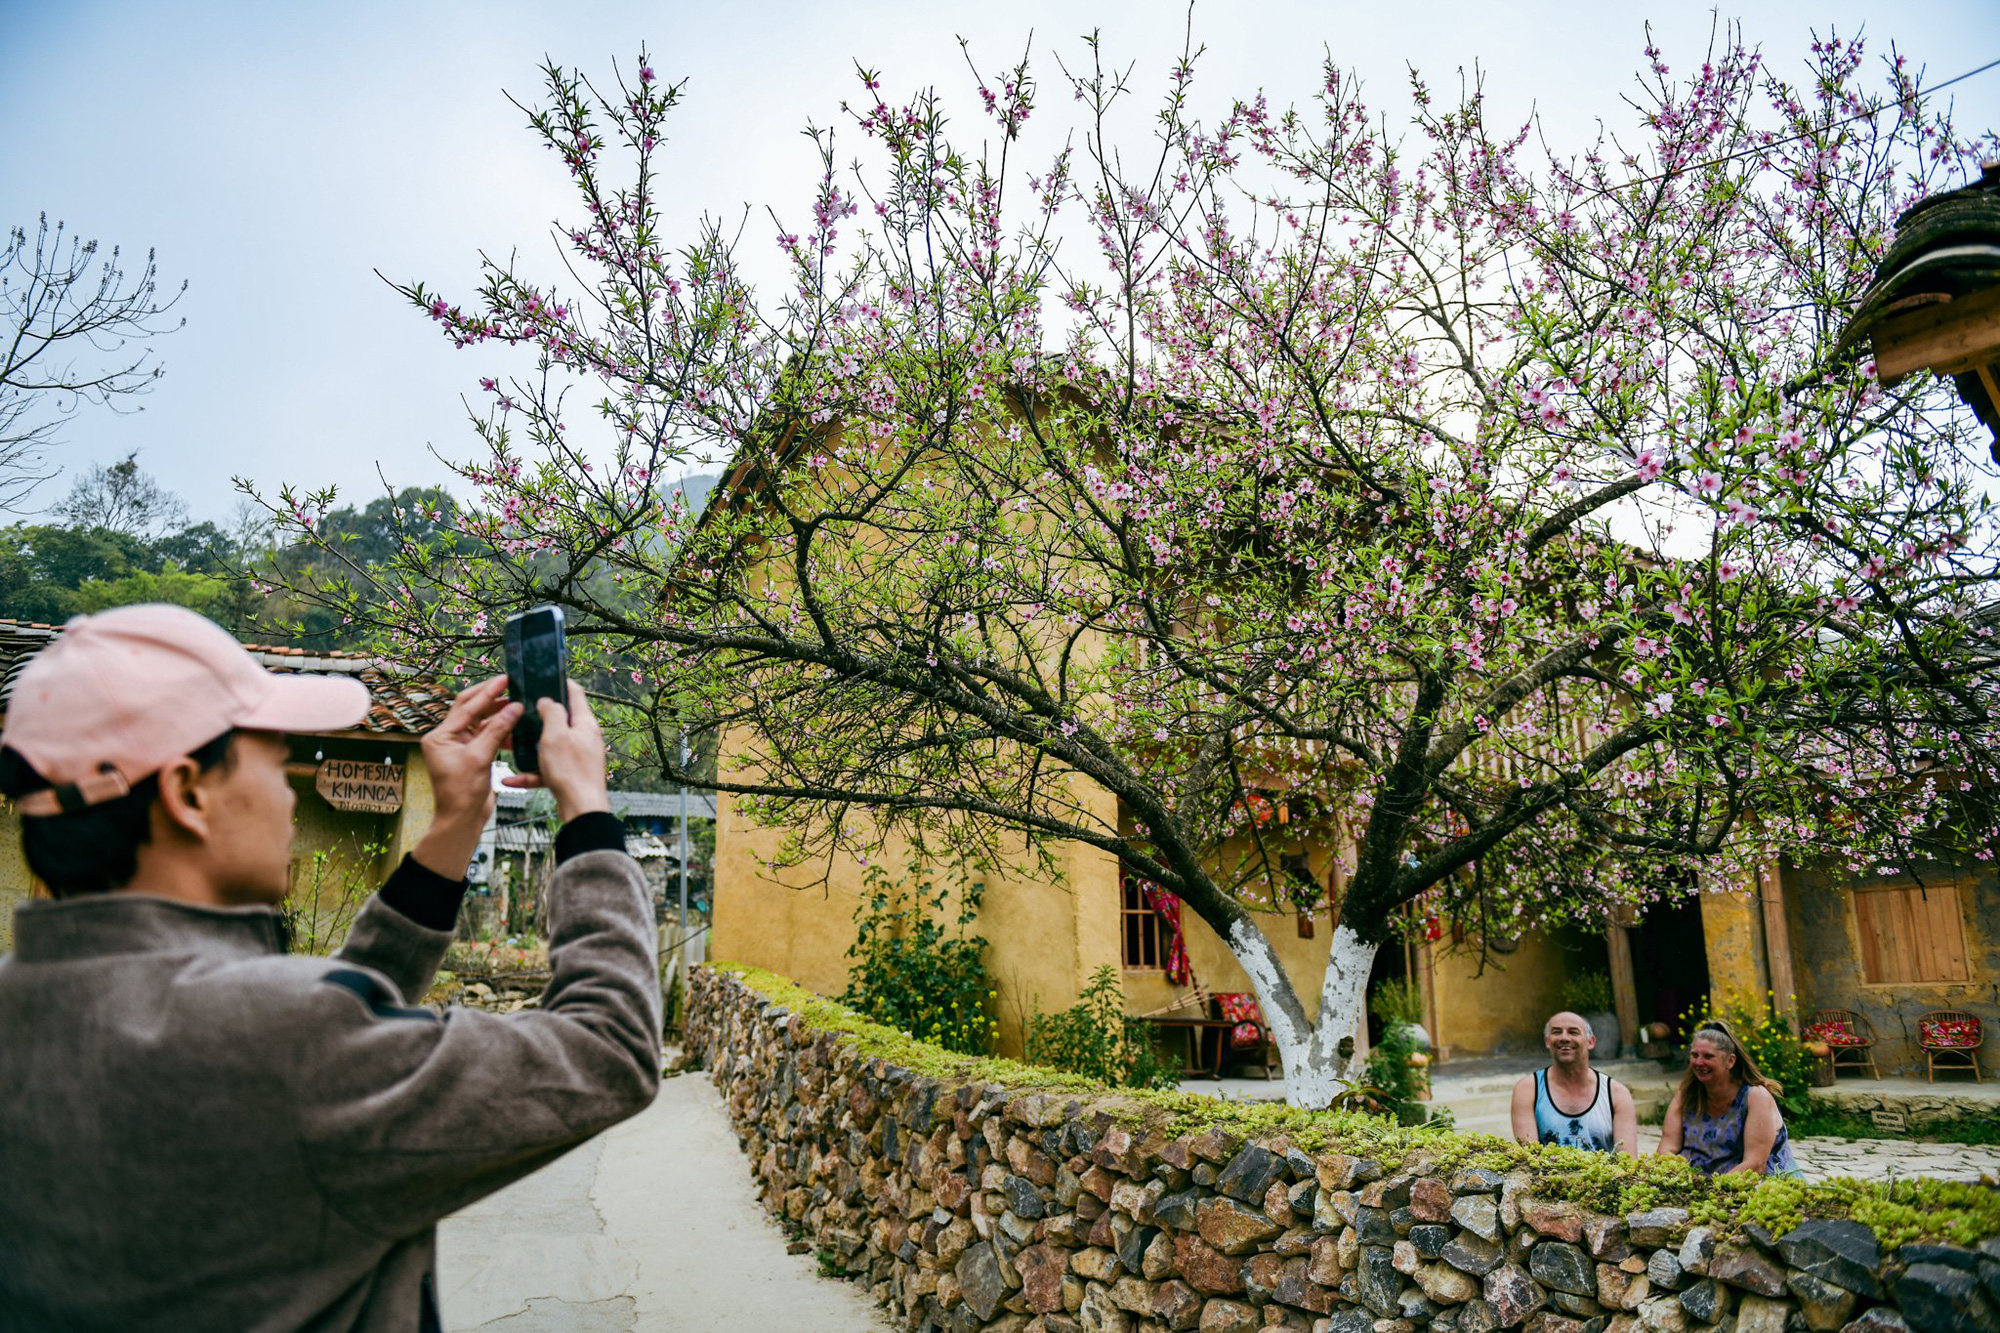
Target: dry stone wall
x=971 y=1206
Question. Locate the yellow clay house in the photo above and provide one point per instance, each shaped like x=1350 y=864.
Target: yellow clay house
x=1888 y=950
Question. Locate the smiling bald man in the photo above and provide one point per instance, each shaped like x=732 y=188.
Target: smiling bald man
x=1571 y=1104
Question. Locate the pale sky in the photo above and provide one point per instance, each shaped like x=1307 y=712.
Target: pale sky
x=275 y=155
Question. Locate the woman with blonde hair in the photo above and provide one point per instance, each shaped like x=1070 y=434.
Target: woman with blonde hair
x=1724 y=1117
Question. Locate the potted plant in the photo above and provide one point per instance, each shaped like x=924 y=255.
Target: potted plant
x=1589 y=994
x=1822 y=1070
x=1400 y=1004
x=1420 y=1062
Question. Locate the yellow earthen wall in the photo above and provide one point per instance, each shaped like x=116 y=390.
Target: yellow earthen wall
x=419 y=804
x=349 y=868
x=1734 y=935
x=1826 y=951
x=1047 y=936
x=1503 y=1007
x=15 y=881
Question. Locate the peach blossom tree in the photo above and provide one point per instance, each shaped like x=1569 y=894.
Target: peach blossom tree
x=1499 y=513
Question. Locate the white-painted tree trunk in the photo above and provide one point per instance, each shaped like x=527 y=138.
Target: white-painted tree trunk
x=1311 y=1052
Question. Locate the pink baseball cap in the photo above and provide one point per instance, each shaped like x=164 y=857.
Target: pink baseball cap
x=121 y=694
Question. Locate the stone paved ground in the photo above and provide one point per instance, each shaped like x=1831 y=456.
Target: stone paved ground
x=1879 y=1159
x=652 y=1226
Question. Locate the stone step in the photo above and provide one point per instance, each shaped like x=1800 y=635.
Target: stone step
x=1475 y=1107
x=1633 y=1074
x=1498 y=1125
x=1502 y=1127
x=1486 y=1105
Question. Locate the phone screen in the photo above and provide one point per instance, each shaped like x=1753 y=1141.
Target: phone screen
x=541 y=663
x=537 y=668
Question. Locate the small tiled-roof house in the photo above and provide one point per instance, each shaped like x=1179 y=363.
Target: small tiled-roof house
x=518 y=849
x=352 y=822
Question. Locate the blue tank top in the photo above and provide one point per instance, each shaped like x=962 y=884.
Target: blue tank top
x=1589 y=1128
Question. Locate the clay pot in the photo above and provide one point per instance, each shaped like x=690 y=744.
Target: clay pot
x=1604 y=1026
x=1419 y=1038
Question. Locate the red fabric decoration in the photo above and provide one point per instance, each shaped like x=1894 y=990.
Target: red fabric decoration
x=1178 y=969
x=1836 y=1032
x=1259 y=807
x=1241 y=1009
x=1948 y=1034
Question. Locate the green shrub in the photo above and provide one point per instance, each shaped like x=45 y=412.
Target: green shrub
x=1397 y=1001
x=1822 y=1120
x=1389 y=1072
x=1096 y=1038
x=909 y=974
x=673 y=1007
x=1588 y=993
x=329 y=888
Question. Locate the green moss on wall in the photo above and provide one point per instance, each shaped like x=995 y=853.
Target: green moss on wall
x=1901 y=1212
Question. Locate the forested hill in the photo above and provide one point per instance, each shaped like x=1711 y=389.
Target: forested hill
x=103 y=553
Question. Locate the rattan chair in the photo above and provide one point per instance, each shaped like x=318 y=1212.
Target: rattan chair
x=1250 y=1039
x=1953 y=1037
x=1850 y=1037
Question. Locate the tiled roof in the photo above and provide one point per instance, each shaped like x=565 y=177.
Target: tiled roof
x=20 y=640
x=400 y=702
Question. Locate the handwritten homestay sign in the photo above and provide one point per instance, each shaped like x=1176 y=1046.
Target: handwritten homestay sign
x=348 y=784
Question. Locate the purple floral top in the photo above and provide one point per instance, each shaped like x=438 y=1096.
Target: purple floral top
x=1713 y=1144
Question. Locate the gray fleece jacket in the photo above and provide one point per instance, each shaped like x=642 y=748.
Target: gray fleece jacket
x=200 y=1132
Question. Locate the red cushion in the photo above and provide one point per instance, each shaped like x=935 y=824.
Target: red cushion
x=1241 y=1009
x=1836 y=1032
x=1948 y=1034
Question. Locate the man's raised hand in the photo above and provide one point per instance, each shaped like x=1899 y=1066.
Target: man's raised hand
x=459 y=754
x=572 y=758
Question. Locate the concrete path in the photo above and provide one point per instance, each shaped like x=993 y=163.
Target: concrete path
x=652 y=1226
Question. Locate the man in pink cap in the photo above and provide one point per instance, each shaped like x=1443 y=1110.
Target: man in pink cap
x=200 y=1131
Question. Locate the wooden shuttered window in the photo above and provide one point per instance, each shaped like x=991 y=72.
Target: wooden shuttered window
x=1911 y=935
x=1144 y=949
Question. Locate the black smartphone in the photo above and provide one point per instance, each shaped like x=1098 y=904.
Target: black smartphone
x=537 y=669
